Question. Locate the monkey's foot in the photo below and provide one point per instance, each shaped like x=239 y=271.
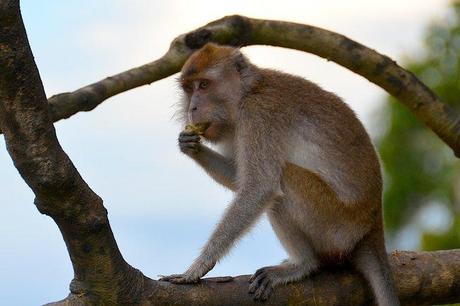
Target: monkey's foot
x=267 y=278
x=179 y=279
x=264 y=281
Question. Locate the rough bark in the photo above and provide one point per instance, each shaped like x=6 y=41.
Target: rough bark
x=60 y=191
x=422 y=278
x=102 y=276
x=243 y=31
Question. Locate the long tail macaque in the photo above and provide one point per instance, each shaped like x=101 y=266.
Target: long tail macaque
x=294 y=151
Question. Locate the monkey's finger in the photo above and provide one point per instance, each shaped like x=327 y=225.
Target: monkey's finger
x=183 y=280
x=189 y=138
x=189 y=146
x=175 y=279
x=167 y=278
x=178 y=280
x=187 y=133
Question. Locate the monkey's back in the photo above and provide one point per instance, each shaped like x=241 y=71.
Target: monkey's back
x=323 y=135
x=331 y=170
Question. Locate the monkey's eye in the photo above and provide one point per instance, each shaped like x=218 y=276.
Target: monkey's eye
x=203 y=84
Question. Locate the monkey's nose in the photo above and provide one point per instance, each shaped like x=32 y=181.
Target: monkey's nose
x=194 y=108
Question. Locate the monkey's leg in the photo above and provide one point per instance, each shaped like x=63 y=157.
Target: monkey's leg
x=370 y=258
x=302 y=259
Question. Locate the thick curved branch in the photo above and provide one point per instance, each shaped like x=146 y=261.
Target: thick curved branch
x=424 y=278
x=242 y=31
x=59 y=189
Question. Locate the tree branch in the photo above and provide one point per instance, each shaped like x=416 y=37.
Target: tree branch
x=423 y=278
x=102 y=277
x=243 y=31
x=59 y=189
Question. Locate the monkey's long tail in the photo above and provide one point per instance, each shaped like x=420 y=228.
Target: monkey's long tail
x=370 y=259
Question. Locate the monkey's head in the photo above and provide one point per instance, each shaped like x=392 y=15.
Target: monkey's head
x=214 y=80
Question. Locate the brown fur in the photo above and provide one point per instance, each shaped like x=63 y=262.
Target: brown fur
x=294 y=151
x=209 y=56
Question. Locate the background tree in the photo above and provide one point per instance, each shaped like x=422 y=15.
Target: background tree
x=422 y=176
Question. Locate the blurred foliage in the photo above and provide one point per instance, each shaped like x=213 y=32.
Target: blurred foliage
x=422 y=176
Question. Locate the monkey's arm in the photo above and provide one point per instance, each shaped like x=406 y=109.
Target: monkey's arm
x=244 y=210
x=221 y=169
x=259 y=175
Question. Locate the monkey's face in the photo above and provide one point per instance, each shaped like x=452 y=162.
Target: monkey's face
x=212 y=97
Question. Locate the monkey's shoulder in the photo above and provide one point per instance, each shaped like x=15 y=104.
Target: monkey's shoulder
x=291 y=90
x=275 y=79
x=284 y=96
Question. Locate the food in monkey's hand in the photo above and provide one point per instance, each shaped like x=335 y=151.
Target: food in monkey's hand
x=197 y=128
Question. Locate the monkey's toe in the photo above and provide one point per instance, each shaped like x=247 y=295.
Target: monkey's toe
x=262 y=284
x=260 y=273
x=261 y=288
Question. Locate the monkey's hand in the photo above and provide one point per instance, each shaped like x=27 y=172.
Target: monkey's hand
x=189 y=142
x=191 y=276
x=180 y=278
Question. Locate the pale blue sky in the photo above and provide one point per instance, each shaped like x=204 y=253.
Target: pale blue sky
x=161 y=206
